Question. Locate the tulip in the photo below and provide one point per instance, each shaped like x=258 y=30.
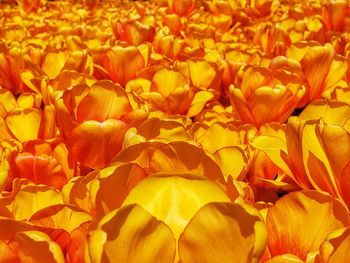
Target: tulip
x=30 y=6
x=89 y=133
x=42 y=163
x=67 y=226
x=260 y=96
x=315 y=150
x=322 y=68
x=132 y=165
x=120 y=64
x=134 y=32
x=11 y=63
x=26 y=199
x=177 y=97
x=178 y=222
x=335 y=15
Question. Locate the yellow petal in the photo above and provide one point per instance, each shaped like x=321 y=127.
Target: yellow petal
x=223 y=232
x=166 y=81
x=120 y=182
x=131 y=234
x=31 y=198
x=24 y=123
x=174 y=199
x=199 y=101
x=233 y=161
x=54 y=63
x=162 y=130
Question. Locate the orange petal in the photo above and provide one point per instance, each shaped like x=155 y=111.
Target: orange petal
x=35 y=246
x=91 y=141
x=122 y=64
x=41 y=169
x=286 y=222
x=60 y=216
x=121 y=181
x=104 y=101
x=336 y=248
x=7 y=254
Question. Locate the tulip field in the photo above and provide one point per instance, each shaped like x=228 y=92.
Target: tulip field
x=161 y=131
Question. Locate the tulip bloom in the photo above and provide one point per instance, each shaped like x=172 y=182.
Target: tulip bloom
x=42 y=163
x=30 y=6
x=315 y=151
x=120 y=64
x=21 y=242
x=175 y=97
x=322 y=68
x=11 y=63
x=182 y=222
x=89 y=133
x=225 y=144
x=259 y=96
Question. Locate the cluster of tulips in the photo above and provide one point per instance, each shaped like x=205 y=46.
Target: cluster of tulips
x=175 y=131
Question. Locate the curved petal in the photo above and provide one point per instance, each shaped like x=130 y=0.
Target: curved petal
x=41 y=169
x=104 y=101
x=122 y=64
x=131 y=234
x=223 y=232
x=30 y=198
x=35 y=246
x=60 y=216
x=114 y=188
x=336 y=248
x=96 y=143
x=24 y=123
x=174 y=199
x=286 y=222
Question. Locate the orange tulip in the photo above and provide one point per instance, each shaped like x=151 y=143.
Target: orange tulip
x=134 y=32
x=178 y=222
x=120 y=64
x=42 y=163
x=67 y=226
x=89 y=133
x=322 y=68
x=30 y=6
x=336 y=15
x=260 y=96
x=177 y=97
x=21 y=242
x=11 y=63
x=315 y=150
